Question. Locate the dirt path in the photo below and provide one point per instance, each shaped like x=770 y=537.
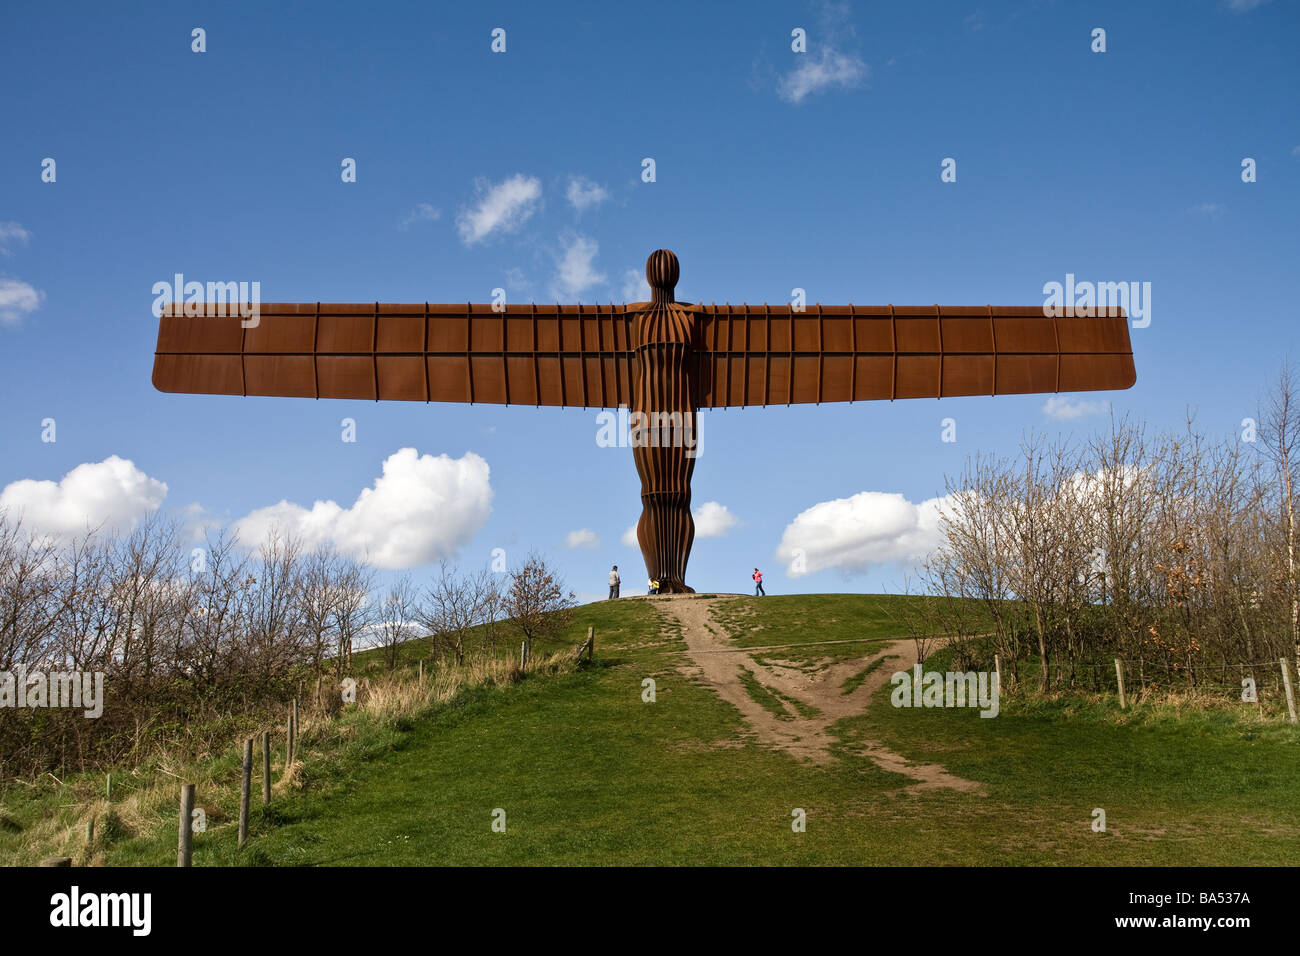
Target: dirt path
x=803 y=732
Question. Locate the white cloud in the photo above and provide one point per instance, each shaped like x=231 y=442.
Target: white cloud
x=629 y=538
x=1212 y=209
x=826 y=65
x=826 y=69
x=11 y=232
x=872 y=527
x=635 y=286
x=1243 y=6
x=1295 y=150
x=582 y=538
x=713 y=520
x=576 y=272
x=420 y=510
x=420 y=212
x=583 y=193
x=113 y=493
x=17 y=298
x=503 y=207
x=1063 y=408
x=196 y=522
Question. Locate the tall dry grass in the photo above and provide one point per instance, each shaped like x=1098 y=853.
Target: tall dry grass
x=145 y=799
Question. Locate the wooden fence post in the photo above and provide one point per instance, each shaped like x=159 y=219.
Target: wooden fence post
x=90 y=831
x=1119 y=676
x=1286 y=683
x=421 y=672
x=244 y=789
x=318 y=698
x=591 y=642
x=523 y=655
x=288 y=742
x=266 y=766
x=108 y=788
x=185 y=847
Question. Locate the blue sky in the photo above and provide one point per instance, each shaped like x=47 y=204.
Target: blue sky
x=774 y=170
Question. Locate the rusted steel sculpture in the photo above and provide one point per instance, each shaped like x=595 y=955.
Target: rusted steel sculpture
x=663 y=359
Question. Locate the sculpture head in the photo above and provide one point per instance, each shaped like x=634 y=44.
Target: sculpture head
x=662 y=272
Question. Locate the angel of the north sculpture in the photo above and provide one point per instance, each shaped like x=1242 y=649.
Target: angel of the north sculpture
x=663 y=358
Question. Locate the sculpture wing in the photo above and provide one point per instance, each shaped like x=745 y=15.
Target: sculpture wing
x=772 y=355
x=572 y=355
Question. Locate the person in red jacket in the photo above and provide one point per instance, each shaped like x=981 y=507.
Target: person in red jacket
x=758 y=583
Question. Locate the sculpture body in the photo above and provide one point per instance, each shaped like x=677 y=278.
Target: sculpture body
x=664 y=433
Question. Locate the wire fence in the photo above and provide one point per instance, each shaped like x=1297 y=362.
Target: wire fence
x=1258 y=682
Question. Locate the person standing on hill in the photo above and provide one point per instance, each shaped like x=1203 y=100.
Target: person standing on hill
x=614 y=582
x=758 y=583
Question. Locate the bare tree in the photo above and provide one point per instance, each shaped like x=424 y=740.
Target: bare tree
x=317 y=582
x=28 y=594
x=353 y=610
x=490 y=601
x=274 y=632
x=397 y=614
x=1279 y=431
x=537 y=602
x=450 y=611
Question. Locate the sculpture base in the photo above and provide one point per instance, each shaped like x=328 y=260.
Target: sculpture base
x=674 y=587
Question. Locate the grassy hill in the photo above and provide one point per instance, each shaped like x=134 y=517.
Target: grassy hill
x=588 y=773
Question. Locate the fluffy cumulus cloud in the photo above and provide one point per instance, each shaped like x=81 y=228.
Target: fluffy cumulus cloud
x=17 y=298
x=576 y=270
x=713 y=520
x=500 y=208
x=629 y=538
x=1063 y=408
x=421 y=509
x=113 y=494
x=582 y=538
x=583 y=194
x=871 y=527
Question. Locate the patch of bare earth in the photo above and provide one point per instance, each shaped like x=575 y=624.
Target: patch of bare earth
x=712 y=658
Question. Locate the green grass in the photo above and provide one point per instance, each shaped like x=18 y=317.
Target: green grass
x=853 y=683
x=831 y=627
x=589 y=773
x=761 y=695
x=772 y=700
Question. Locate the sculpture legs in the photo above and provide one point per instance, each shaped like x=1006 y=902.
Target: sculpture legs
x=666 y=529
